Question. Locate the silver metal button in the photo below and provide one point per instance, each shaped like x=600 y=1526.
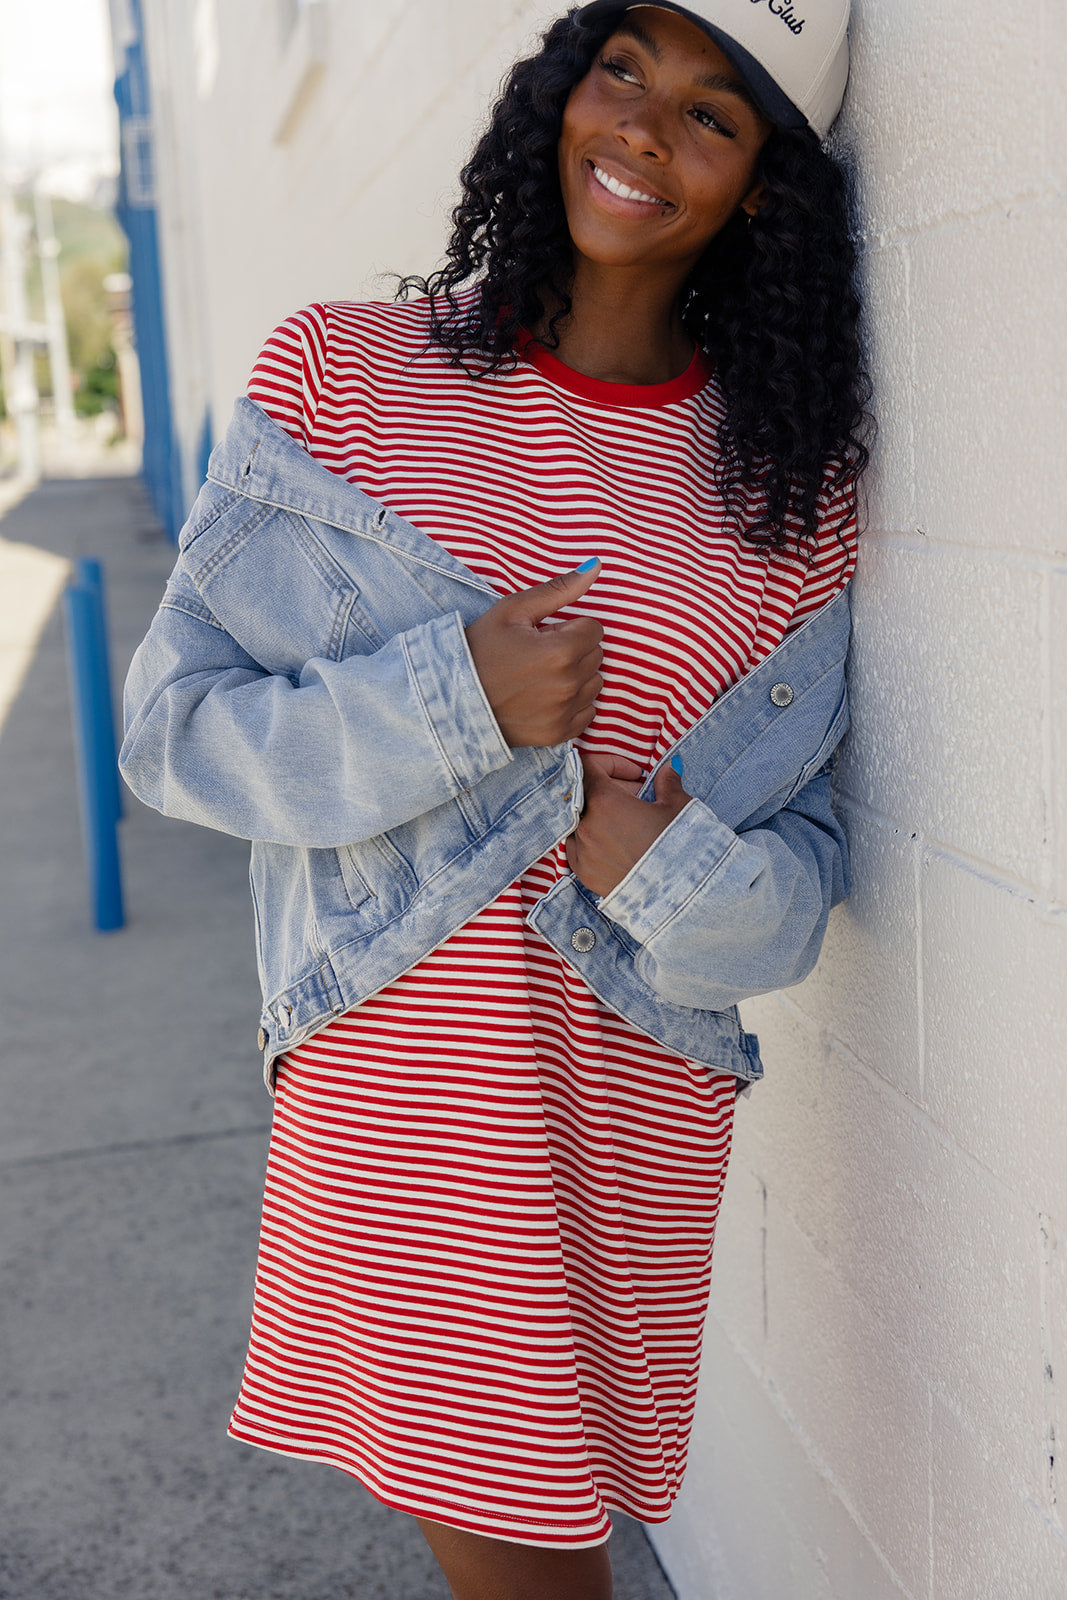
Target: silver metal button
x=583 y=940
x=263 y=1038
x=782 y=695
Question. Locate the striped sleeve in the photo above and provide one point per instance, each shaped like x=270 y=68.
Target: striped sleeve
x=287 y=377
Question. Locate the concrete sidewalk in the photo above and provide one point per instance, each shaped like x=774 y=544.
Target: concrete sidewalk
x=132 y=1146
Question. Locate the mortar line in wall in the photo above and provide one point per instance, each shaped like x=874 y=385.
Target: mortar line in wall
x=427 y=110
x=913 y=370
x=1046 y=722
x=369 y=62
x=1024 y=557
x=763 y=1262
x=1044 y=905
x=919 y=1114
x=1048 y=47
x=1020 y=1486
x=919 y=857
x=784 y=998
x=919 y=1117
x=930 y=1490
x=807 y=1444
x=1001 y=1464
x=832 y=1045
x=877 y=239
x=1046 y=1245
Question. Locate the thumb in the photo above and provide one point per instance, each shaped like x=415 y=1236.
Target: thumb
x=533 y=605
x=621 y=768
x=668 y=781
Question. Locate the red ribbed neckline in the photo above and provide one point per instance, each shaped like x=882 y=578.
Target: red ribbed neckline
x=687 y=383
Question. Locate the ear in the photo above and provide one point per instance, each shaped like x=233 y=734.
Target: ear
x=754 y=199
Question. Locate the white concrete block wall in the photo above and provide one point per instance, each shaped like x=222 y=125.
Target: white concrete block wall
x=885 y=1370
x=886 y=1364
x=362 y=184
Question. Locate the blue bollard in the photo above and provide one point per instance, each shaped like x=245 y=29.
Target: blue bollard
x=90 y=575
x=94 y=739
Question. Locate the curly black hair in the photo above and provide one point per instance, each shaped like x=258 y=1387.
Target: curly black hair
x=772 y=302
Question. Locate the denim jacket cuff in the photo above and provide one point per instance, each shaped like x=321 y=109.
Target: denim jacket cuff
x=672 y=871
x=454 y=701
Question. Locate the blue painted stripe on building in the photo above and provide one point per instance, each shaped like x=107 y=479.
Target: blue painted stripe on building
x=136 y=211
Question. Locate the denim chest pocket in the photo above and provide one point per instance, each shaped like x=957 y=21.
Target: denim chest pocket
x=820 y=757
x=813 y=765
x=277 y=590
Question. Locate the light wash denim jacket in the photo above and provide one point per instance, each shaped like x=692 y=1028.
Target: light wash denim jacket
x=306 y=684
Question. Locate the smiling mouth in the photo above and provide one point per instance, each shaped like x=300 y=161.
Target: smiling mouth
x=623 y=190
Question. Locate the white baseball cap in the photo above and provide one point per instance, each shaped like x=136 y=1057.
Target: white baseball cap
x=792 y=54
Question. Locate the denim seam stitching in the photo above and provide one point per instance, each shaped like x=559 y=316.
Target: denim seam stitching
x=191 y=608
x=362 y=533
x=696 y=889
x=431 y=725
x=222 y=555
x=426 y=884
x=216 y=512
x=832 y=667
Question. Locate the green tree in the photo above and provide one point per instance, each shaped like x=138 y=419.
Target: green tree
x=91 y=245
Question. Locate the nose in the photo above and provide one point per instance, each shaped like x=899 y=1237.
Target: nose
x=643 y=128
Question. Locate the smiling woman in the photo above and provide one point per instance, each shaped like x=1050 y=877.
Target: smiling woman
x=772 y=296
x=670 y=101
x=527 y=823
x=658 y=151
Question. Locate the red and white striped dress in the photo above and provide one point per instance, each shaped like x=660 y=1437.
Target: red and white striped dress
x=490 y=1201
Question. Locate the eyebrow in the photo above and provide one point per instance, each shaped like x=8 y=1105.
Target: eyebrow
x=716 y=81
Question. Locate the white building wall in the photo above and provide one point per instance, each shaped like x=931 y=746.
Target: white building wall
x=885 y=1371
x=886 y=1358
x=170 y=54
x=325 y=156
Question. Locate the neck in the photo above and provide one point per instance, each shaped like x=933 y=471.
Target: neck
x=622 y=328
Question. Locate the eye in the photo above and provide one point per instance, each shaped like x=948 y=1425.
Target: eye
x=617 y=69
x=708 y=119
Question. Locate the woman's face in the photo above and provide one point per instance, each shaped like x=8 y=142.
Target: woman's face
x=663 y=113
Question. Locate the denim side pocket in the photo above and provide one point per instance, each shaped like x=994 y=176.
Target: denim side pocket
x=357 y=888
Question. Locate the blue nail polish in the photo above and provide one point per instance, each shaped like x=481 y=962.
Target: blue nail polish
x=676 y=763
x=587 y=566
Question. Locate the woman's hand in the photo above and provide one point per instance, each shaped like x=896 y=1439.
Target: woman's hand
x=542 y=682
x=616 y=827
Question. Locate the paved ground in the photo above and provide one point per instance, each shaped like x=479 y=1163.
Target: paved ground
x=132 y=1145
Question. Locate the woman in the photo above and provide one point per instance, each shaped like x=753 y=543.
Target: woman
x=527 y=704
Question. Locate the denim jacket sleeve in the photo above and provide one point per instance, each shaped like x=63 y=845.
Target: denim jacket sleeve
x=344 y=751
x=718 y=915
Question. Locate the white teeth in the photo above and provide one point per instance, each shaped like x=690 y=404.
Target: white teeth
x=623 y=190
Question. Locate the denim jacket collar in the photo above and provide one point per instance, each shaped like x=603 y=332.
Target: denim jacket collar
x=259 y=460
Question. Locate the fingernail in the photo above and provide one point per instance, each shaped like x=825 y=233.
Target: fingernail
x=676 y=763
x=587 y=566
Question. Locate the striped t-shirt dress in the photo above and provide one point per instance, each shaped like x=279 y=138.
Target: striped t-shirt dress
x=490 y=1201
